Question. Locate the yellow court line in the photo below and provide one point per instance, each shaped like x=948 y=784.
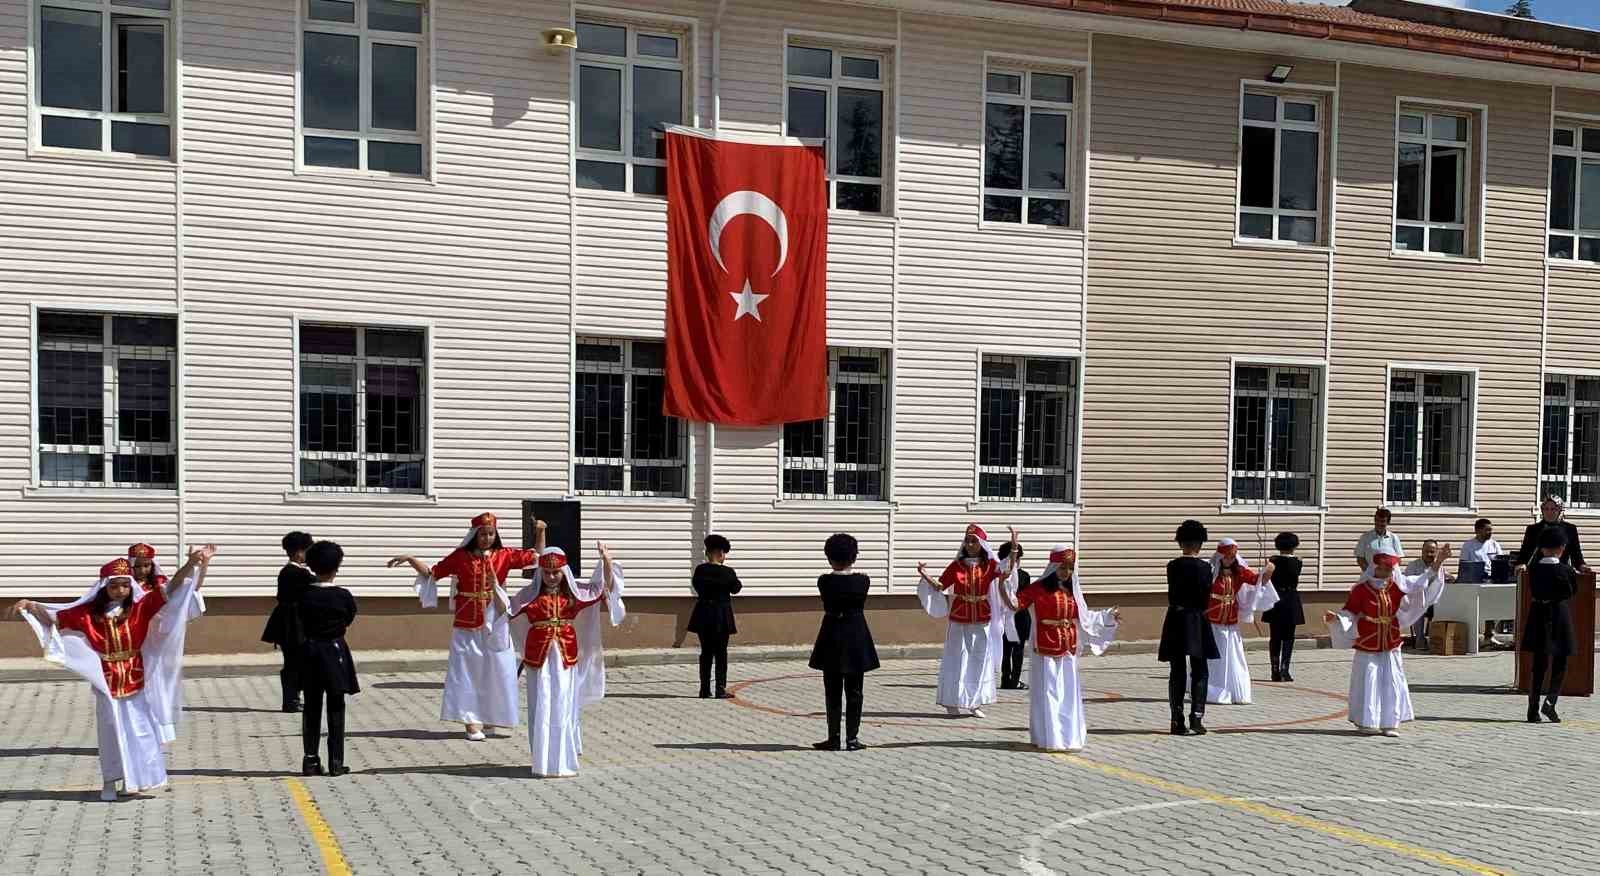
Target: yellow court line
x=1273 y=813
x=332 y=857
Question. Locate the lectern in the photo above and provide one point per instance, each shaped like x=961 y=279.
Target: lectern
x=1580 y=668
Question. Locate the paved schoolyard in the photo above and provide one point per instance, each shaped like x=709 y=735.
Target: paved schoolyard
x=674 y=784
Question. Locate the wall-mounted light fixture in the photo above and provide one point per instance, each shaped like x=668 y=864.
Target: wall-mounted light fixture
x=559 y=39
x=1280 y=73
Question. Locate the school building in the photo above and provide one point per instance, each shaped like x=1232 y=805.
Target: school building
x=370 y=267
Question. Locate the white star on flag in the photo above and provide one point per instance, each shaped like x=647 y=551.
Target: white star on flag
x=748 y=302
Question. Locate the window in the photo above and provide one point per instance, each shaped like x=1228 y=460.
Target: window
x=1280 y=168
x=1028 y=152
x=364 y=85
x=1432 y=160
x=1575 y=194
x=842 y=456
x=1027 y=429
x=1277 y=434
x=630 y=88
x=363 y=409
x=1569 y=460
x=103 y=71
x=1430 y=438
x=624 y=444
x=837 y=95
x=106 y=384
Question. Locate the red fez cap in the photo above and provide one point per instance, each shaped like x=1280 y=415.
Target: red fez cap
x=553 y=559
x=484 y=519
x=117 y=568
x=1063 y=555
x=141 y=551
x=976 y=531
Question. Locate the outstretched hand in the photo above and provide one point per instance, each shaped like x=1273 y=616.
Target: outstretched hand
x=397 y=561
x=922 y=569
x=203 y=554
x=1329 y=617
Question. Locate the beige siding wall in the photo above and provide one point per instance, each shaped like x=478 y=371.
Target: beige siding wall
x=1456 y=313
x=1574 y=321
x=1172 y=301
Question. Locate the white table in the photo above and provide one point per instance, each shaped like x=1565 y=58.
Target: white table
x=1473 y=604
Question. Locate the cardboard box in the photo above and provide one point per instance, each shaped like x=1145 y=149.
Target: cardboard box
x=1447 y=638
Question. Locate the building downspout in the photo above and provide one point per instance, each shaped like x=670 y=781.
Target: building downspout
x=716 y=124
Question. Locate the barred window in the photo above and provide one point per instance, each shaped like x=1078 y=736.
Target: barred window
x=843 y=455
x=363 y=409
x=623 y=444
x=1277 y=416
x=106 y=385
x=1569 y=460
x=1027 y=431
x=1430 y=438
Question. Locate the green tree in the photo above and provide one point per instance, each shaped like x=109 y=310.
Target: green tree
x=1521 y=9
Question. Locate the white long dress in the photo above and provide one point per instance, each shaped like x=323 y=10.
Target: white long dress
x=480 y=678
x=1055 y=699
x=163 y=676
x=556 y=693
x=128 y=729
x=972 y=652
x=1380 y=698
x=1229 y=684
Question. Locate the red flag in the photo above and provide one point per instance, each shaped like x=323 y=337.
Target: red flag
x=747 y=244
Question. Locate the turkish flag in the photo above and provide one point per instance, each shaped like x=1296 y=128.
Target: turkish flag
x=747 y=268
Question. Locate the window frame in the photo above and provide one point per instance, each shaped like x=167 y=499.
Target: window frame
x=1469 y=433
x=110 y=409
x=628 y=369
x=884 y=55
x=885 y=379
x=110 y=13
x=1072 y=430
x=365 y=132
x=1576 y=123
x=1569 y=376
x=1025 y=66
x=1320 y=474
x=1325 y=98
x=361 y=323
x=1474 y=165
x=636 y=24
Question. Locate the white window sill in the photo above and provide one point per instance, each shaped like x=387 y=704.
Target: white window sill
x=658 y=202
x=33 y=491
x=594 y=501
x=356 y=497
x=877 y=506
x=1271 y=510
x=363 y=177
x=1279 y=245
x=1572 y=265
x=1433 y=510
x=1442 y=258
x=850 y=216
x=998 y=505
x=1026 y=228
x=53 y=153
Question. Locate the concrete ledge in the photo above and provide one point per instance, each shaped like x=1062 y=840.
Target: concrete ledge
x=386 y=662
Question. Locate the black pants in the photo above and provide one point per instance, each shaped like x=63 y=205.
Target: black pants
x=311 y=719
x=713 y=649
x=1281 y=645
x=1199 y=676
x=1011 y=663
x=289 y=677
x=1558 y=674
x=846 y=686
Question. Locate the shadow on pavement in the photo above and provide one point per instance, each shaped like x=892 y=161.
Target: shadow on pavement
x=238 y=774
x=233 y=710
x=1447 y=719
x=30 y=752
x=980 y=744
x=465 y=770
x=410 y=685
x=409 y=733
x=1465 y=689
x=730 y=746
x=650 y=696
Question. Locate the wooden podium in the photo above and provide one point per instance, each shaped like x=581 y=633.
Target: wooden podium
x=1580 y=668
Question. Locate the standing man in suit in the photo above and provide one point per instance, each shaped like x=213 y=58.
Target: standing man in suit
x=1550 y=511
x=283 y=626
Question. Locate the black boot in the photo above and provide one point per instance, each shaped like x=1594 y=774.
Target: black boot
x=1195 y=726
x=1178 y=729
x=311 y=766
x=337 y=768
x=853 y=745
x=1286 y=676
x=830 y=744
x=1533 y=712
x=1277 y=675
x=1550 y=711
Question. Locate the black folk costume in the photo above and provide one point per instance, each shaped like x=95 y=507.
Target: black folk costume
x=1186 y=635
x=1289 y=613
x=713 y=621
x=1011 y=659
x=326 y=670
x=283 y=629
x=1547 y=633
x=844 y=652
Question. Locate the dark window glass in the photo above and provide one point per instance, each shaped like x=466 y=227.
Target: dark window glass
x=81 y=467
x=394 y=15
x=607 y=175
x=1297 y=186
x=1449 y=241
x=1051 y=87
x=655 y=435
x=328 y=472
x=144 y=400
x=808 y=113
x=658 y=46
x=602 y=39
x=804 y=61
x=66 y=133
x=141 y=58
x=71 y=404
x=657 y=103
x=69 y=58
x=147 y=470
x=599 y=108
x=1047 y=152
x=1002 y=208
x=332 y=10
x=998 y=427
x=1589 y=202
x=394 y=87
x=1408 y=238
x=1261 y=107
x=858 y=68
x=1047 y=211
x=137 y=138
x=1256 y=171
x=333 y=152
x=1300 y=229
x=395 y=474
x=394 y=409
x=1561 y=246
x=1445 y=185
x=144 y=331
x=332 y=82
x=1408 y=202
x=327 y=407
x=1563 y=192
x=1255 y=225
x=1002 y=138
x=1589 y=249
x=65 y=326
x=395 y=344
x=860 y=149
x=403 y=158
x=327 y=340
x=599 y=424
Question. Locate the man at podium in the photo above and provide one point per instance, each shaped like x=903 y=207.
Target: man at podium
x=1551 y=518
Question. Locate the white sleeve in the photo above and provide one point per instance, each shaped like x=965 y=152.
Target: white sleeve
x=1255 y=599
x=1342 y=630
x=427 y=591
x=934 y=601
x=1421 y=592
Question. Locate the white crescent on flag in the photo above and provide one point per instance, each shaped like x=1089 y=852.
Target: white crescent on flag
x=739 y=203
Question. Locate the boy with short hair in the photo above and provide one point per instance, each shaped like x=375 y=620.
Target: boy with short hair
x=712 y=620
x=1548 y=633
x=1186 y=633
x=283 y=626
x=328 y=672
x=844 y=652
x=1478 y=553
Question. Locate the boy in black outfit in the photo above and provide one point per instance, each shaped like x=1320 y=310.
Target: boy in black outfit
x=283 y=626
x=1548 y=632
x=328 y=672
x=844 y=652
x=1011 y=656
x=1186 y=633
x=1283 y=618
x=712 y=620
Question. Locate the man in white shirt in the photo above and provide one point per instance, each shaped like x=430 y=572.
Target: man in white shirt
x=1421 y=566
x=1478 y=553
x=1378 y=540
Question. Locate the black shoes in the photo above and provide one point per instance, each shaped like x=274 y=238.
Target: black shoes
x=1178 y=729
x=337 y=768
x=1287 y=677
x=1276 y=675
x=292 y=707
x=853 y=745
x=724 y=695
x=705 y=694
x=1533 y=715
x=1549 y=711
x=826 y=745
x=1195 y=726
x=311 y=766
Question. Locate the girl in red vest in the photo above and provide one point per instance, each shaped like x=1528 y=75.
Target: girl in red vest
x=968 y=592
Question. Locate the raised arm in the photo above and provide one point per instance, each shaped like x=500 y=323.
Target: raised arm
x=31 y=607
x=540 y=528
x=198 y=558
x=413 y=562
x=605 y=565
